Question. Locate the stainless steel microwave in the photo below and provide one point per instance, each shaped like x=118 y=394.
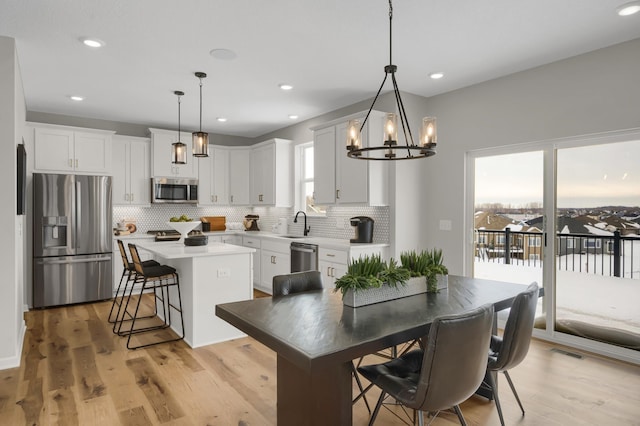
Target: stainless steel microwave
x=167 y=190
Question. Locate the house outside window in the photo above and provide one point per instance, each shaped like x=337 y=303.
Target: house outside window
x=592 y=243
x=535 y=241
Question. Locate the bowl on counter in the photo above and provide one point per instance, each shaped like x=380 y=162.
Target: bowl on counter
x=184 y=227
x=196 y=240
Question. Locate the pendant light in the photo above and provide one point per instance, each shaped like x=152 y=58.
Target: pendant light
x=200 y=138
x=178 y=149
x=390 y=147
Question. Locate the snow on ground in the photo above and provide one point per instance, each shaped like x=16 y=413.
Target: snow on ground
x=595 y=299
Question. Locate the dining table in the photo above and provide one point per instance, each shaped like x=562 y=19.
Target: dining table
x=316 y=338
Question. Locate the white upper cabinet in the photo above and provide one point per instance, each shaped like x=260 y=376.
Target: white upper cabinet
x=70 y=150
x=239 y=176
x=213 y=178
x=271 y=178
x=162 y=166
x=339 y=179
x=131 y=171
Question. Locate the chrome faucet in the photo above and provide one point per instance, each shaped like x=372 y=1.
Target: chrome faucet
x=295 y=220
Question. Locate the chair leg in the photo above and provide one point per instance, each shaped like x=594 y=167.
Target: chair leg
x=363 y=390
x=513 y=389
x=377 y=409
x=420 y=415
x=492 y=384
x=460 y=416
x=115 y=298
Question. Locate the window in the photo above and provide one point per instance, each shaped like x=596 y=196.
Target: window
x=590 y=243
x=570 y=243
x=535 y=241
x=305 y=175
x=500 y=239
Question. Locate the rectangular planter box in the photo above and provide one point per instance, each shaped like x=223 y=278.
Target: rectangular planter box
x=385 y=293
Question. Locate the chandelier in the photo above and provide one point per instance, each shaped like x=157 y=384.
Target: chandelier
x=392 y=151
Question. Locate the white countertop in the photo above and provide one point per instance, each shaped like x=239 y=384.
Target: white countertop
x=177 y=250
x=333 y=243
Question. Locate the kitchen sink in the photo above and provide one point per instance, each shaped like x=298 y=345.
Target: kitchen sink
x=292 y=236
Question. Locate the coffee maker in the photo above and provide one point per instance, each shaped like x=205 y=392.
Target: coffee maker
x=364 y=229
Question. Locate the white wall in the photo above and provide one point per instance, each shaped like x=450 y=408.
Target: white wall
x=12 y=118
x=591 y=93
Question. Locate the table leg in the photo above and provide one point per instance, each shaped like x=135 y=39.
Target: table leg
x=320 y=397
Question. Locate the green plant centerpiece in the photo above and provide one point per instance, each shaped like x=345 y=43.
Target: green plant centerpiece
x=369 y=279
x=425 y=263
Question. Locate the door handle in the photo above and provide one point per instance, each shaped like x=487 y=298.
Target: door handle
x=64 y=262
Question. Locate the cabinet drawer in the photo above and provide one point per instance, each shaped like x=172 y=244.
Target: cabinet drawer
x=277 y=246
x=251 y=242
x=331 y=255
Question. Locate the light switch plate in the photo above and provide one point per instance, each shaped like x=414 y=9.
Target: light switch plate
x=445 y=225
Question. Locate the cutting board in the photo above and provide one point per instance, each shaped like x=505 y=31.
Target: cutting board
x=218 y=223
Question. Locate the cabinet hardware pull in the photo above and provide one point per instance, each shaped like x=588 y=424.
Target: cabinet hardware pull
x=126 y=197
x=76 y=163
x=131 y=197
x=232 y=198
x=70 y=162
x=331 y=255
x=215 y=198
x=338 y=194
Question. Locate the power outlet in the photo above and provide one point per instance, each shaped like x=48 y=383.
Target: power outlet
x=224 y=273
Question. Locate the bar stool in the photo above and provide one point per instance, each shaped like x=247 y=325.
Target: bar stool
x=161 y=279
x=128 y=272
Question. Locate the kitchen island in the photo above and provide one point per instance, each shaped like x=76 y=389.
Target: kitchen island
x=209 y=275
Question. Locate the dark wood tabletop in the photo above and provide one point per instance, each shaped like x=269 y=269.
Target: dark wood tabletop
x=313 y=332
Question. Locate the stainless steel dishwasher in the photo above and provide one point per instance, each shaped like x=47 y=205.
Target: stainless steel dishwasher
x=304 y=257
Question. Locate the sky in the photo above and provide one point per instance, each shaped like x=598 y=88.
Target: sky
x=591 y=176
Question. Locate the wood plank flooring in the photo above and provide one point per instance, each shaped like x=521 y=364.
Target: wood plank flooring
x=74 y=371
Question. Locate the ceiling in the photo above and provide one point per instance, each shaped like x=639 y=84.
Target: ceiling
x=332 y=51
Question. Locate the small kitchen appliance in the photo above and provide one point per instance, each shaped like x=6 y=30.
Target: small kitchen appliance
x=250 y=222
x=364 y=229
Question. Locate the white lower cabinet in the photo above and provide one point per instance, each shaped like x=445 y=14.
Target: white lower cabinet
x=255 y=244
x=332 y=264
x=275 y=259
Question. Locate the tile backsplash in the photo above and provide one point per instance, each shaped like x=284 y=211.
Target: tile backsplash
x=334 y=225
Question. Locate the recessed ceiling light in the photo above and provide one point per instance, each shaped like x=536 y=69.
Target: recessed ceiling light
x=92 y=42
x=223 y=54
x=629 y=8
x=293 y=116
x=284 y=86
x=76 y=98
x=221 y=119
x=436 y=75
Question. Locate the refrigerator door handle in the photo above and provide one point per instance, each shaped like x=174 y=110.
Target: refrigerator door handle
x=78 y=214
x=64 y=262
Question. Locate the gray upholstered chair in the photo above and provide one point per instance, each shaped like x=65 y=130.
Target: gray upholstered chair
x=509 y=350
x=296 y=282
x=446 y=373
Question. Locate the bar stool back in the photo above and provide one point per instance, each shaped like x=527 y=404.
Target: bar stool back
x=128 y=272
x=164 y=281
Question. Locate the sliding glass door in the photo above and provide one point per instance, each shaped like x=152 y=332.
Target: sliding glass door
x=507 y=219
x=598 y=242
x=567 y=215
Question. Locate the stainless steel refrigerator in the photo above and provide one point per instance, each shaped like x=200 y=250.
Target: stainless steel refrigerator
x=72 y=234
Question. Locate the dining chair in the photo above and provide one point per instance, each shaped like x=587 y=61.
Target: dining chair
x=509 y=350
x=447 y=372
x=297 y=282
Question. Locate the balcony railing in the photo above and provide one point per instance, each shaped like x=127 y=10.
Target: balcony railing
x=614 y=255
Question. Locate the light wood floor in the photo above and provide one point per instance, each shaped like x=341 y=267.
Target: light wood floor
x=74 y=371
